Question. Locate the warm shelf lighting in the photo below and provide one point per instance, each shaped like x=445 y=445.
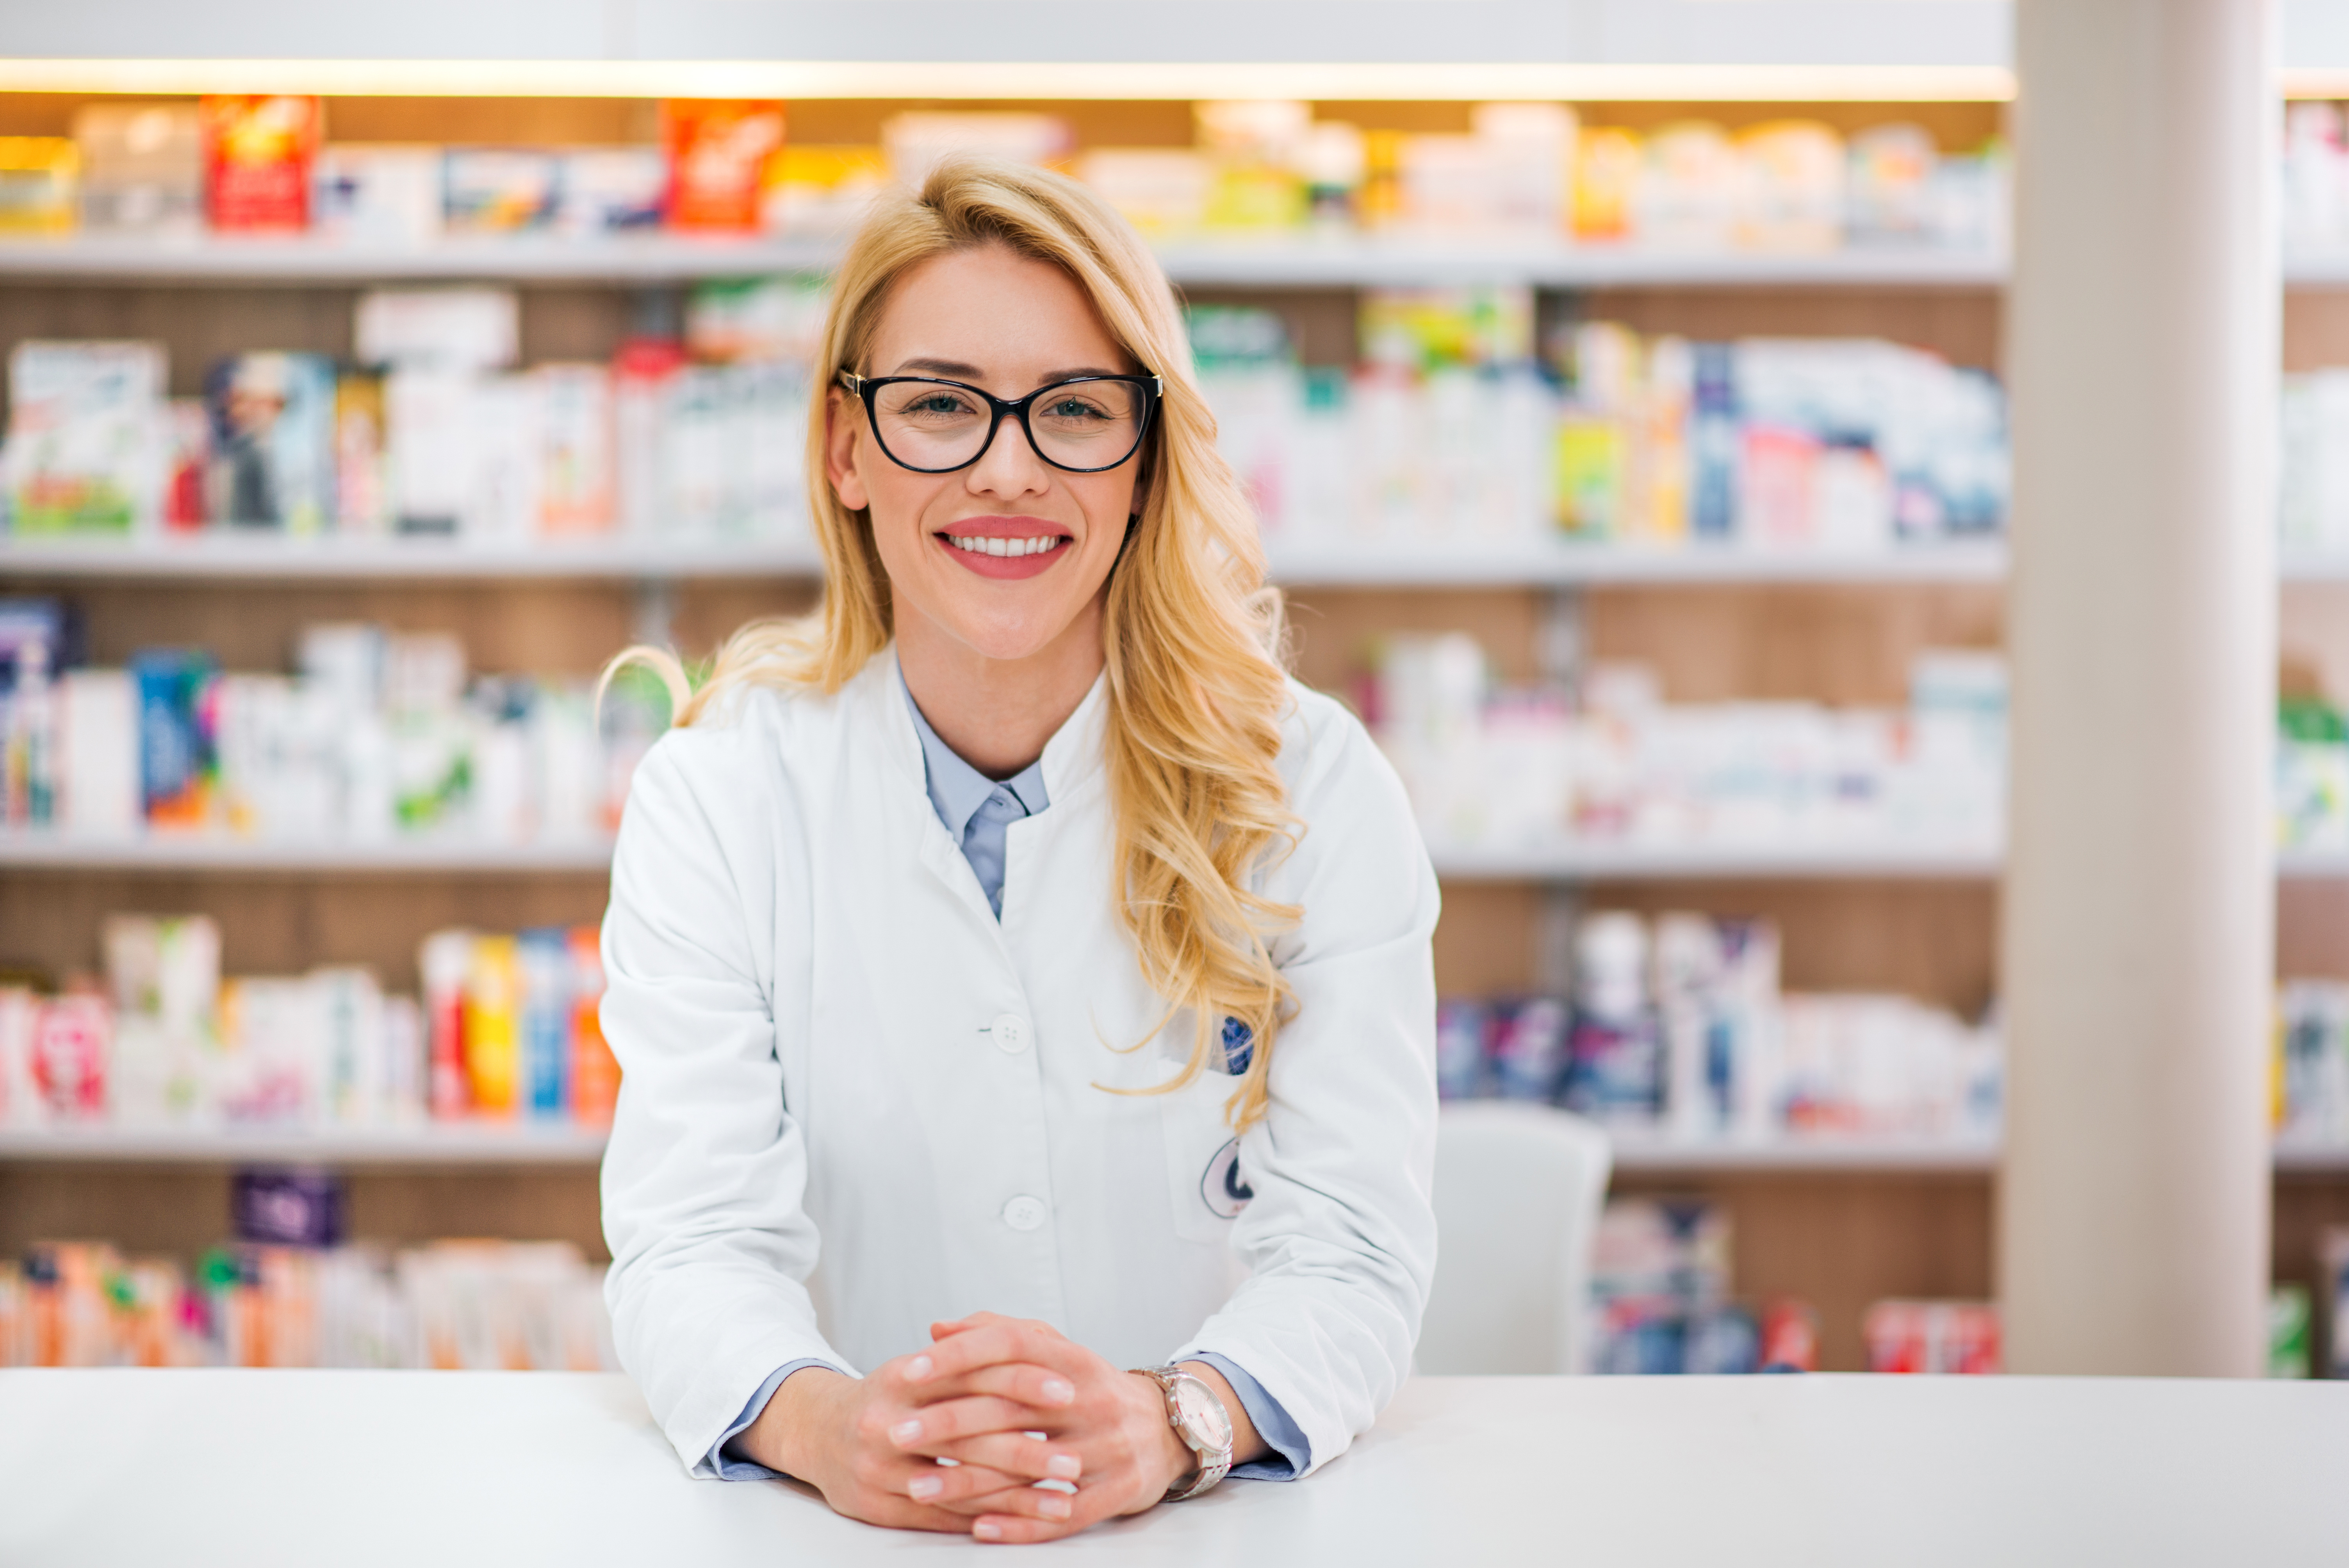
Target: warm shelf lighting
x=989 y=79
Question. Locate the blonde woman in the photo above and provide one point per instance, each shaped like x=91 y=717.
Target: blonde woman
x=1023 y=988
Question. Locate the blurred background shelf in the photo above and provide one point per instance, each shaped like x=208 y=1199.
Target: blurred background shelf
x=1740 y=862
x=568 y=1144
x=1318 y=563
x=194 y=851
x=1650 y=1153
x=438 y=1143
x=1335 y=262
x=330 y=559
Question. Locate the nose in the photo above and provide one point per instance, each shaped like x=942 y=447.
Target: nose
x=1009 y=466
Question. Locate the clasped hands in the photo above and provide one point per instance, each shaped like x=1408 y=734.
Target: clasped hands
x=1009 y=1402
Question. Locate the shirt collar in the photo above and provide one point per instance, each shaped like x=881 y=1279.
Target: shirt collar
x=956 y=789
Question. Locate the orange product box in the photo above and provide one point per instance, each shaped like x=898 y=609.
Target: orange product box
x=595 y=1073
x=722 y=154
x=258 y=151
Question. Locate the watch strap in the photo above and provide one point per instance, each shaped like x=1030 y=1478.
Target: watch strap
x=1214 y=1464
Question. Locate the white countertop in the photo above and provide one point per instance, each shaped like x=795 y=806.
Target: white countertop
x=438 y=1469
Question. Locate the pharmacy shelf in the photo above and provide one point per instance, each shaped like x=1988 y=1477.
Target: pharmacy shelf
x=1312 y=562
x=1337 y=262
x=1319 y=562
x=1640 y=1153
x=567 y=1143
x=228 y=555
x=30 y=848
x=1602 y=862
x=435 y=1143
x=129 y=259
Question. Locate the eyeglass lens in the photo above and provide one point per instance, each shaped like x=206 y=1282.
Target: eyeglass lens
x=1077 y=424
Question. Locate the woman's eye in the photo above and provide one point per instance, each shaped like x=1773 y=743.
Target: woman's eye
x=1072 y=408
x=935 y=405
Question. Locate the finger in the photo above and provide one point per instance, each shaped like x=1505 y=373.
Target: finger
x=1017 y=1453
x=924 y=1429
x=939 y=1486
x=1027 y=1513
x=987 y=1345
x=1039 y=1387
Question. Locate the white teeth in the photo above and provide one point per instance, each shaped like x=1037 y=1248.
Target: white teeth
x=976 y=545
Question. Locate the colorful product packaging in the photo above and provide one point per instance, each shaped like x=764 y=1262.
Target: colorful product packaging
x=272 y=441
x=544 y=960
x=610 y=190
x=595 y=1073
x=493 y=1065
x=361 y=458
x=72 y=1041
x=142 y=168
x=376 y=194
x=446 y=963
x=82 y=453
x=499 y=191
x=40 y=178
x=1528 y=1047
x=1931 y=1336
x=722 y=158
x=1461 y=1029
x=188 y=468
x=258 y=152
x=179 y=765
x=822 y=192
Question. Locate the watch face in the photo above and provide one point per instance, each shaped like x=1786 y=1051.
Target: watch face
x=1201 y=1415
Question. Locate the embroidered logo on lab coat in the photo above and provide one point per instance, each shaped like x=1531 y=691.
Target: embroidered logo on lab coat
x=1226 y=1193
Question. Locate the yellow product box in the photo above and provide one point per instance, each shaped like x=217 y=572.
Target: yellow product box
x=40 y=177
x=492 y=1024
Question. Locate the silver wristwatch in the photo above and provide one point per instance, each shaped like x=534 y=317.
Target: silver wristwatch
x=1199 y=1418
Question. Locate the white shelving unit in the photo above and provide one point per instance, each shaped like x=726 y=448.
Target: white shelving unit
x=228 y=555
x=1311 y=562
x=433 y=1143
x=23 y=848
x=1640 y=1153
x=1338 y=262
x=1739 y=862
x=30 y=848
x=524 y=1142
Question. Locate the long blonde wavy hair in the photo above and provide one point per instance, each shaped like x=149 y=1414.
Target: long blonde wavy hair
x=1194 y=637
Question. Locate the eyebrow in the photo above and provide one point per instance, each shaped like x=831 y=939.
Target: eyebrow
x=955 y=367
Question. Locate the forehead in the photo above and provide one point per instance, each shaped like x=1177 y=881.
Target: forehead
x=1009 y=315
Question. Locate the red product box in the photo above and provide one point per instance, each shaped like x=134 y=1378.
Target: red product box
x=721 y=155
x=258 y=152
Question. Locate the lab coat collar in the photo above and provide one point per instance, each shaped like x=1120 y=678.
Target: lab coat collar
x=1071 y=757
x=956 y=789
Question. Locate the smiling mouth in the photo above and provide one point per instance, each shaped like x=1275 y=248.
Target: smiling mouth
x=982 y=544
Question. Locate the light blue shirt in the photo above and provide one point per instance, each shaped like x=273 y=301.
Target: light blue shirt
x=977 y=810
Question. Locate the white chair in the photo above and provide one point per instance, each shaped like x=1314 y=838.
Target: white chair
x=1517 y=1192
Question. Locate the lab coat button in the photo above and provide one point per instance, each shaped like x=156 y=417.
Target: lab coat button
x=1023 y=1212
x=1010 y=1032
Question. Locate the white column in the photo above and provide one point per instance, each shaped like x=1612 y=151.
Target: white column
x=2138 y=948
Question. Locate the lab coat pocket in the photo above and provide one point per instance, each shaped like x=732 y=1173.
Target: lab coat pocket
x=1202 y=1172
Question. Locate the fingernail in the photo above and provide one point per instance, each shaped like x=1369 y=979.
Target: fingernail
x=1059 y=1390
x=1064 y=1467
x=1053 y=1507
x=905 y=1431
x=923 y=1488
x=987 y=1530
x=918 y=1368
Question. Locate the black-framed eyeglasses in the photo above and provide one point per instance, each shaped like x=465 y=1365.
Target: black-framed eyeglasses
x=1085 y=425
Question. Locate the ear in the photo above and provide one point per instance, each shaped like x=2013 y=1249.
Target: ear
x=843 y=437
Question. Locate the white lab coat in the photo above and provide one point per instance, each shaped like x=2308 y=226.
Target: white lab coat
x=830 y=1045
